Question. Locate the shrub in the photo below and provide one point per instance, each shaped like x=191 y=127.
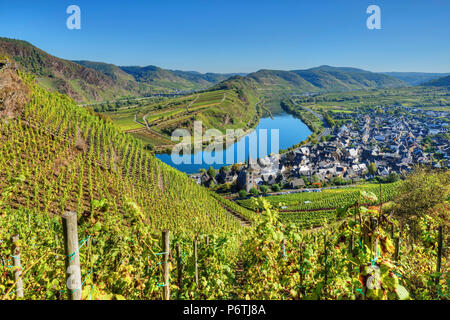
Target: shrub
x=254 y=191
x=276 y=188
x=264 y=189
x=243 y=193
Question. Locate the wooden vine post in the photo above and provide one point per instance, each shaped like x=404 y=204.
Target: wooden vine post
x=17 y=266
x=350 y=249
x=73 y=272
x=179 y=267
x=196 y=261
x=326 y=256
x=439 y=255
x=397 y=248
x=166 y=251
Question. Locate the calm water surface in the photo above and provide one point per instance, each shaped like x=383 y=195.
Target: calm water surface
x=291 y=131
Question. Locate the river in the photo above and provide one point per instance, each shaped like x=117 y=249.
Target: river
x=291 y=131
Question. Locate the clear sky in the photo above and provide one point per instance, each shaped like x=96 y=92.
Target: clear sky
x=239 y=35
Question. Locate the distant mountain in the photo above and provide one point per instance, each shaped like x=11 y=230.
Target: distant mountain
x=174 y=78
x=441 y=82
x=110 y=70
x=416 y=78
x=88 y=81
x=323 y=78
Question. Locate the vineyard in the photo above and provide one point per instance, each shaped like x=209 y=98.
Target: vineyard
x=313 y=209
x=366 y=256
x=154 y=120
x=326 y=199
x=58 y=157
x=143 y=230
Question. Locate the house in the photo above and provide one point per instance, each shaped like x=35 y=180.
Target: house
x=304 y=170
x=197 y=177
x=297 y=183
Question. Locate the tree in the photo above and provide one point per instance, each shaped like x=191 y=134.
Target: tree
x=212 y=172
x=276 y=188
x=254 y=191
x=243 y=193
x=264 y=189
x=392 y=177
x=372 y=168
x=424 y=192
x=315 y=179
x=235 y=168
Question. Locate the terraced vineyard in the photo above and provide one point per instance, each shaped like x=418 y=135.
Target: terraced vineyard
x=308 y=220
x=310 y=209
x=154 y=122
x=58 y=141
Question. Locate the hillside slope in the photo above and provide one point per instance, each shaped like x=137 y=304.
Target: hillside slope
x=88 y=81
x=70 y=158
x=441 y=82
x=416 y=78
x=175 y=79
x=323 y=78
x=56 y=157
x=79 y=82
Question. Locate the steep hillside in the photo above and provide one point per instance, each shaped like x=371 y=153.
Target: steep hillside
x=88 y=81
x=323 y=78
x=281 y=80
x=416 y=78
x=56 y=157
x=110 y=70
x=175 y=79
x=441 y=82
x=67 y=77
x=70 y=158
x=14 y=94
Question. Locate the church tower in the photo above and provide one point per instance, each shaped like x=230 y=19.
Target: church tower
x=249 y=175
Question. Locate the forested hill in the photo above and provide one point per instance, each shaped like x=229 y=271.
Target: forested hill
x=323 y=78
x=77 y=81
x=441 y=82
x=182 y=80
x=416 y=78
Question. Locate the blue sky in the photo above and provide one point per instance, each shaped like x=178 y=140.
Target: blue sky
x=239 y=36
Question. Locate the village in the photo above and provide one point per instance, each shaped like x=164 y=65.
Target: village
x=386 y=143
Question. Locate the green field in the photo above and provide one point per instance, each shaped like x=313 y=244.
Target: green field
x=293 y=207
x=423 y=97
